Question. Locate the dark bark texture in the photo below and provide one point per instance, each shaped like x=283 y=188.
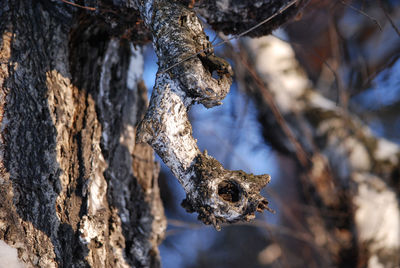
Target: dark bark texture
x=75 y=190
x=236 y=16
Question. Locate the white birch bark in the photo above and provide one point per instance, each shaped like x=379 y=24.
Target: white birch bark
x=184 y=78
x=362 y=163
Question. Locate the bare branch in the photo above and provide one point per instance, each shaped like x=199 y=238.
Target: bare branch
x=362 y=13
x=216 y=194
x=389 y=18
x=80 y=6
x=300 y=152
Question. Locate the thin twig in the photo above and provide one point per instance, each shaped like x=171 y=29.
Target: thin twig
x=229 y=147
x=362 y=13
x=341 y=92
x=371 y=77
x=280 y=11
x=261 y=23
x=303 y=236
x=299 y=150
x=76 y=5
x=389 y=18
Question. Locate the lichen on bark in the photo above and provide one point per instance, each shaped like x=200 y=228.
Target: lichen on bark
x=186 y=77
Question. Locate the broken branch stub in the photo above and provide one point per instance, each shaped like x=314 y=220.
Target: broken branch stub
x=216 y=194
x=219 y=195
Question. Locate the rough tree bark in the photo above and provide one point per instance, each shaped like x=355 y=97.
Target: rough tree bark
x=216 y=194
x=75 y=189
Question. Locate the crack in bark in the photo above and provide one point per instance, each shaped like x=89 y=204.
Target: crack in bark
x=216 y=194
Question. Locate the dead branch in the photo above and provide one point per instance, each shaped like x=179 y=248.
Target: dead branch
x=216 y=194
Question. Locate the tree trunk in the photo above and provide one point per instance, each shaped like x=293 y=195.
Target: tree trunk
x=75 y=190
x=349 y=178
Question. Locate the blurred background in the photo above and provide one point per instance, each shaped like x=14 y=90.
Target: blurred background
x=349 y=53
